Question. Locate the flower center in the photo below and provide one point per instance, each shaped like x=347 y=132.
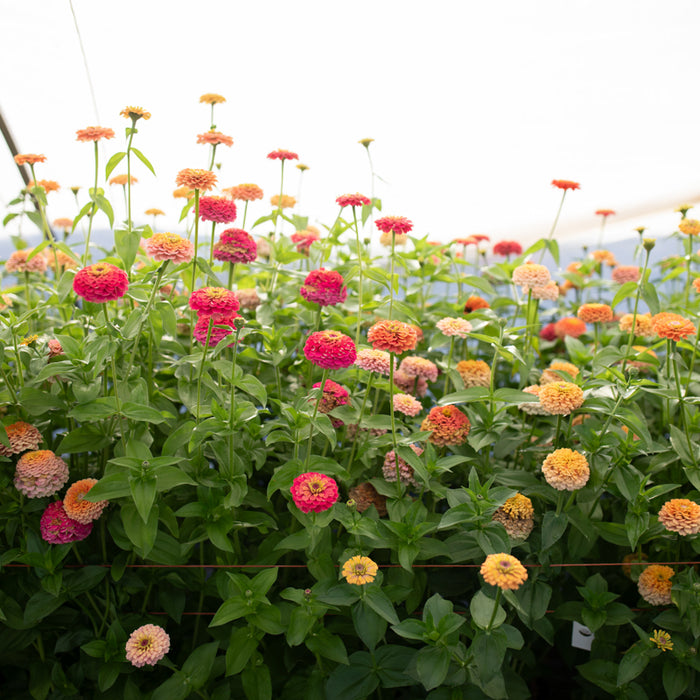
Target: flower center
x=315 y=487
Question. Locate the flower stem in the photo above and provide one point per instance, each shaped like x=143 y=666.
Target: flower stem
x=232 y=407
x=201 y=368
x=554 y=225
x=359 y=295
x=211 y=244
x=496 y=603
x=313 y=419
x=449 y=364
x=368 y=388
x=196 y=237
x=393 y=420
x=391 y=282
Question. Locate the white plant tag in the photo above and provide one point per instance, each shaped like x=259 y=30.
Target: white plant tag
x=581 y=637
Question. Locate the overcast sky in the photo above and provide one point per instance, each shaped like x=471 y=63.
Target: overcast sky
x=474 y=107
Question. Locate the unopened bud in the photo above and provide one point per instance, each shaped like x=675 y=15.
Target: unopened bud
x=648 y=244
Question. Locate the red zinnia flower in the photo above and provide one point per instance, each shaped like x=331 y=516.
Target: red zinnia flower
x=100 y=283
x=330 y=349
x=508 y=248
x=353 y=200
x=281 y=154
x=324 y=287
x=605 y=213
x=398 y=224
x=314 y=492
x=214 y=301
x=220 y=210
x=235 y=246
x=566 y=184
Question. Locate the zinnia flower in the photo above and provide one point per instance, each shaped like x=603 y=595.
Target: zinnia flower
x=94 y=133
x=448 y=424
x=374 y=361
x=410 y=383
x=561 y=398
x=605 y=213
x=642 y=324
x=565 y=469
x=533 y=408
x=122 y=179
x=566 y=184
x=550 y=291
x=365 y=495
x=212 y=98
x=625 y=273
x=75 y=505
x=216 y=328
x=405 y=469
x=22 y=437
x=353 y=200
x=392 y=336
x=595 y=313
x=220 y=210
x=569 y=325
x=691 y=227
x=147 y=645
x=135 y=113
x=503 y=570
x=506 y=248
x=170 y=246
x=281 y=154
x=454 y=327
x=604 y=256
x=100 y=283
x=235 y=246
x=63 y=223
x=333 y=395
x=474 y=303
x=46 y=185
x=399 y=239
x=662 y=639
x=314 y=492
x=406 y=404
x=330 y=350
x=248 y=298
x=531 y=275
x=247 y=192
x=216 y=301
x=17 y=262
x=40 y=473
x=29 y=159
x=57 y=528
x=680 y=515
x=655 y=584
x=419 y=367
x=287 y=201
x=516 y=517
x=183 y=193
x=398 y=224
x=643 y=354
x=196 y=179
x=673 y=326
x=474 y=373
x=551 y=374
x=304 y=239
x=55 y=349
x=324 y=287
x=359 y=570
x=214 y=138
x=153 y=212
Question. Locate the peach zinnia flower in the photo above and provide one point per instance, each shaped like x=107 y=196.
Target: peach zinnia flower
x=474 y=303
x=474 y=373
x=135 y=113
x=247 y=192
x=196 y=179
x=400 y=225
x=64 y=223
x=94 y=133
x=533 y=408
x=595 y=313
x=406 y=404
x=604 y=256
x=147 y=645
x=314 y=492
x=40 y=473
x=17 y=262
x=288 y=202
x=566 y=184
x=448 y=424
x=29 y=158
x=359 y=570
x=561 y=398
x=680 y=515
x=642 y=324
x=625 y=273
x=550 y=291
x=374 y=361
x=212 y=98
x=100 y=283
x=503 y=570
x=673 y=326
x=214 y=138
x=516 y=517
x=455 y=326
x=79 y=509
x=531 y=275
x=392 y=336
x=551 y=373
x=691 y=227
x=22 y=437
x=330 y=350
x=169 y=246
x=122 y=179
x=569 y=325
x=419 y=367
x=566 y=470
x=655 y=584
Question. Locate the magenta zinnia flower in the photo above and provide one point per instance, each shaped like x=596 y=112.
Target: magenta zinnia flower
x=57 y=528
x=324 y=287
x=221 y=326
x=100 y=283
x=214 y=301
x=330 y=349
x=314 y=492
x=235 y=246
x=220 y=210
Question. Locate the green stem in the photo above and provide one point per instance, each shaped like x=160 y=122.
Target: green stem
x=689 y=254
x=211 y=245
x=313 y=419
x=245 y=212
x=232 y=407
x=391 y=287
x=196 y=238
x=496 y=603
x=393 y=420
x=630 y=339
x=201 y=368
x=368 y=388
x=554 y=225
x=230 y=275
x=449 y=364
x=132 y=131
x=359 y=296
x=681 y=402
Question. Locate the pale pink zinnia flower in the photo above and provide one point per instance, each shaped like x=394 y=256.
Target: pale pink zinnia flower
x=406 y=404
x=147 y=645
x=374 y=361
x=454 y=326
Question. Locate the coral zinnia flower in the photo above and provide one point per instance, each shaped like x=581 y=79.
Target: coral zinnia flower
x=196 y=179
x=324 y=287
x=79 y=509
x=506 y=248
x=304 y=239
x=569 y=326
x=419 y=367
x=374 y=361
x=212 y=98
x=531 y=275
x=57 y=528
x=516 y=517
x=551 y=374
x=22 y=437
x=330 y=350
x=169 y=246
x=135 y=113
x=100 y=283
x=691 y=227
x=605 y=213
x=94 y=133
x=215 y=328
x=147 y=645
x=595 y=313
x=17 y=262
x=566 y=184
x=220 y=210
x=680 y=515
x=474 y=373
x=455 y=326
x=359 y=570
x=214 y=138
x=392 y=336
x=406 y=404
x=247 y=192
x=281 y=154
x=565 y=469
x=448 y=424
x=314 y=492
x=673 y=326
x=46 y=185
x=29 y=158
x=40 y=473
x=561 y=398
x=353 y=200
x=474 y=303
x=398 y=224
x=642 y=324
x=662 y=639
x=235 y=246
x=503 y=570
x=365 y=495
x=625 y=273
x=654 y=584
x=122 y=179
x=214 y=301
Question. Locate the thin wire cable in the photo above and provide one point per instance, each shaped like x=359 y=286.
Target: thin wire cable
x=85 y=62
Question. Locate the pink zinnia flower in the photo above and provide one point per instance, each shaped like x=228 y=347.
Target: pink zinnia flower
x=398 y=224
x=405 y=469
x=454 y=326
x=419 y=367
x=235 y=246
x=374 y=361
x=353 y=200
x=314 y=492
x=100 y=283
x=410 y=383
x=281 y=154
x=334 y=395
x=406 y=404
x=324 y=287
x=169 y=246
x=330 y=349
x=304 y=240
x=147 y=645
x=57 y=528
x=220 y=210
x=40 y=473
x=507 y=248
x=221 y=327
x=214 y=301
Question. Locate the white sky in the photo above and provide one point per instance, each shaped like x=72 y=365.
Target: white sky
x=474 y=106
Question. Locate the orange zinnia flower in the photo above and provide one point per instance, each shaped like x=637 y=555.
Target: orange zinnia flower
x=655 y=584
x=122 y=179
x=604 y=256
x=474 y=373
x=94 y=133
x=566 y=470
x=359 y=570
x=561 y=398
x=680 y=515
x=154 y=212
x=642 y=324
x=551 y=373
x=595 y=313
x=196 y=179
x=48 y=185
x=516 y=516
x=79 y=509
x=288 y=202
x=673 y=326
x=211 y=98
x=569 y=326
x=503 y=570
x=183 y=193
x=448 y=424
x=247 y=192
x=392 y=336
x=135 y=113
x=691 y=227
x=29 y=158
x=474 y=303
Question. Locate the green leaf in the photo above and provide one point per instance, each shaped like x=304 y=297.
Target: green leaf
x=142 y=535
x=84 y=439
x=481 y=608
x=626 y=290
x=256 y=681
x=553 y=527
x=479 y=283
x=175 y=688
x=140 y=412
x=651 y=297
x=242 y=645
x=328 y=645
x=143 y=159
x=103 y=204
x=432 y=664
x=127 y=244
x=369 y=625
x=113 y=162
x=675 y=678
x=357 y=681
x=109 y=487
x=143 y=491
x=231 y=609
x=199 y=664
x=633 y=663
x=380 y=603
